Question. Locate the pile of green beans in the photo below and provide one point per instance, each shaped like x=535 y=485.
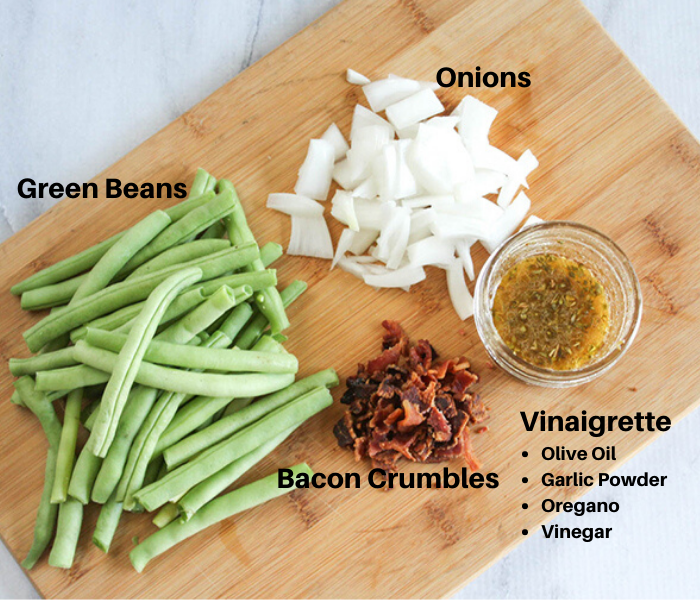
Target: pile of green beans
x=164 y=344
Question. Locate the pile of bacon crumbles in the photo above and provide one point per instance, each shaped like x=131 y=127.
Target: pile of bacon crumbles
x=403 y=404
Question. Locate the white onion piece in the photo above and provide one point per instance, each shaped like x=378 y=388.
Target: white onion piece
x=294 y=205
x=413 y=109
x=391 y=231
x=463 y=248
x=353 y=268
x=486 y=181
x=335 y=138
x=363 y=117
x=344 y=243
x=367 y=189
x=431 y=85
x=362 y=240
x=316 y=172
x=365 y=147
x=450 y=122
x=490 y=157
x=507 y=224
x=453 y=226
x=438 y=160
x=421 y=220
x=406 y=184
x=384 y=92
x=408 y=133
x=385 y=171
x=474 y=208
x=523 y=167
x=344 y=209
x=427 y=201
x=475 y=122
x=370 y=214
x=400 y=242
x=342 y=174
x=355 y=78
x=310 y=237
x=462 y=300
x=530 y=221
x=396 y=279
x=430 y=251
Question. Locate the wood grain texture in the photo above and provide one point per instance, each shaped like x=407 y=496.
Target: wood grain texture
x=612 y=155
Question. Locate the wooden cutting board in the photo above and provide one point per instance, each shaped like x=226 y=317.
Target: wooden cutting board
x=612 y=155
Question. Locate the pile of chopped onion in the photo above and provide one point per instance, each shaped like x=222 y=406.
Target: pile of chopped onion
x=414 y=189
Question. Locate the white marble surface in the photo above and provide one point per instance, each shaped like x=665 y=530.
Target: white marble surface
x=82 y=83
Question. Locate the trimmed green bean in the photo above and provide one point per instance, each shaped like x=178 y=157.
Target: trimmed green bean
x=185 y=477
x=180 y=254
x=212 y=486
x=183 y=304
x=190 y=446
x=199 y=183
x=256 y=281
x=66 y=448
x=270 y=252
x=214 y=231
x=248 y=496
x=140 y=402
x=192 y=223
x=84 y=474
x=42 y=362
x=53 y=295
x=236 y=320
x=214 y=359
x=165 y=378
x=107 y=523
x=127 y=292
x=166 y=515
x=268 y=300
x=129 y=358
x=119 y=255
x=47 y=512
x=87 y=412
x=70 y=520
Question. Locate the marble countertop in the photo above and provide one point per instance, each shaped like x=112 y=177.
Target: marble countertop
x=82 y=83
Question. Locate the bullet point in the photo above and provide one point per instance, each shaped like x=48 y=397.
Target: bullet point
x=524 y=531
x=524 y=479
x=525 y=505
x=524 y=453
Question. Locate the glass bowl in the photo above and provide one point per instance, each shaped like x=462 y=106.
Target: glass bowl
x=608 y=264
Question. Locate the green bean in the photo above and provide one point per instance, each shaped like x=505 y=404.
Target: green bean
x=165 y=378
x=84 y=260
x=236 y=320
x=214 y=231
x=16 y=399
x=255 y=327
x=166 y=515
x=269 y=253
x=107 y=524
x=127 y=292
x=87 y=412
x=183 y=304
x=192 y=223
x=47 y=512
x=248 y=496
x=140 y=402
x=214 y=359
x=66 y=268
x=212 y=486
x=70 y=519
x=119 y=255
x=256 y=281
x=211 y=183
x=141 y=452
x=84 y=474
x=152 y=474
x=199 y=183
x=42 y=362
x=201 y=317
x=66 y=449
x=180 y=254
x=129 y=358
x=187 y=448
x=53 y=295
x=268 y=300
x=183 y=478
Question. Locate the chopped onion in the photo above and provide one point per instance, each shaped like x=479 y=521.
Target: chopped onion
x=366 y=145
x=316 y=172
x=335 y=138
x=344 y=209
x=430 y=251
x=367 y=189
x=370 y=214
x=406 y=184
x=363 y=117
x=398 y=278
x=431 y=85
x=310 y=237
x=385 y=92
x=453 y=226
x=386 y=172
x=530 y=221
x=413 y=109
x=463 y=248
x=352 y=76
x=523 y=167
x=362 y=240
x=449 y=122
x=421 y=220
x=474 y=208
x=475 y=122
x=490 y=157
x=294 y=205
x=344 y=243
x=427 y=201
x=408 y=133
x=459 y=293
x=507 y=223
